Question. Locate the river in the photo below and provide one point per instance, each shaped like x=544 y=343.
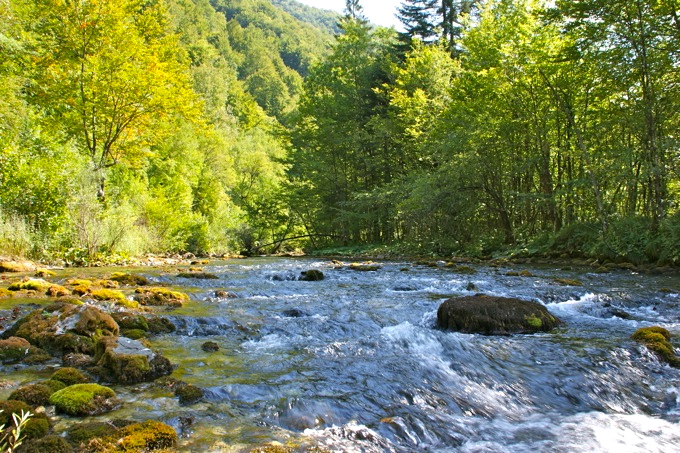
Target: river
x=353 y=363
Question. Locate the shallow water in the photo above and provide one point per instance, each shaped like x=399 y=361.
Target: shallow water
x=353 y=363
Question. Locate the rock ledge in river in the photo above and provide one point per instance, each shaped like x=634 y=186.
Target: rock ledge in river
x=491 y=315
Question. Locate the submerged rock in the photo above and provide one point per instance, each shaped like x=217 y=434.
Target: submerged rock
x=128 y=361
x=490 y=315
x=312 y=275
x=210 y=346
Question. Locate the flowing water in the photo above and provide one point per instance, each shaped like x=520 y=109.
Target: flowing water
x=353 y=363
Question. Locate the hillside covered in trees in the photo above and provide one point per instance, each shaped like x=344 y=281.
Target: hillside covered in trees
x=497 y=126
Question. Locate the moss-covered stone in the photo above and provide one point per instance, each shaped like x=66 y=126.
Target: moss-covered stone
x=567 y=282
x=657 y=339
x=160 y=296
x=37 y=426
x=38 y=285
x=107 y=294
x=188 y=393
x=128 y=320
x=70 y=376
x=48 y=444
x=129 y=279
x=14 y=349
x=84 y=399
x=58 y=291
x=5 y=293
x=210 y=346
x=467 y=270
x=312 y=275
x=44 y=273
x=33 y=394
x=133 y=334
x=80 y=434
x=364 y=267
x=16 y=266
x=491 y=315
x=198 y=275
x=160 y=325
x=53 y=385
x=128 y=361
x=140 y=437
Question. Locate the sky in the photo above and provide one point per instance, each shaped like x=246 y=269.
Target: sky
x=379 y=12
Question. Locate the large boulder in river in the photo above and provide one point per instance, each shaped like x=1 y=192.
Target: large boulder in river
x=63 y=328
x=126 y=361
x=490 y=315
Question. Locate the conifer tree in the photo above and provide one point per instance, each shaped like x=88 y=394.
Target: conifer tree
x=419 y=19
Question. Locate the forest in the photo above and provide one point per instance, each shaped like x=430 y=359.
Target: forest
x=485 y=128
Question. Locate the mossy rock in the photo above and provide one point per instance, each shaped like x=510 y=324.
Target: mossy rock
x=160 y=325
x=657 y=340
x=32 y=394
x=365 y=267
x=38 y=285
x=14 y=349
x=107 y=294
x=224 y=294
x=210 y=346
x=79 y=282
x=567 y=282
x=37 y=426
x=198 y=275
x=84 y=399
x=16 y=266
x=467 y=270
x=160 y=297
x=133 y=334
x=53 y=385
x=105 y=283
x=312 y=275
x=62 y=328
x=140 y=437
x=58 y=291
x=44 y=273
x=188 y=393
x=70 y=376
x=126 y=361
x=490 y=315
x=5 y=293
x=127 y=320
x=129 y=279
x=48 y=444
x=80 y=434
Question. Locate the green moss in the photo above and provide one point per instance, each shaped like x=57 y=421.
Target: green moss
x=656 y=339
x=142 y=437
x=84 y=432
x=5 y=293
x=69 y=376
x=134 y=334
x=51 y=444
x=188 y=393
x=33 y=394
x=567 y=282
x=198 y=275
x=32 y=284
x=14 y=266
x=130 y=321
x=53 y=385
x=37 y=426
x=160 y=325
x=44 y=273
x=58 y=291
x=108 y=294
x=129 y=279
x=79 y=282
x=83 y=399
x=13 y=349
x=160 y=296
x=534 y=322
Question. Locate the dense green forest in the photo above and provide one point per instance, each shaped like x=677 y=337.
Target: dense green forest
x=214 y=126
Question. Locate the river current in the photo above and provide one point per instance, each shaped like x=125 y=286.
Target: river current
x=354 y=363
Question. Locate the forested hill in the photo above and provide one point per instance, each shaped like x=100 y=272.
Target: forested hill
x=130 y=127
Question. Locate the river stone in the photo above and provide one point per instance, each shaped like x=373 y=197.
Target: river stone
x=126 y=361
x=64 y=328
x=491 y=315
